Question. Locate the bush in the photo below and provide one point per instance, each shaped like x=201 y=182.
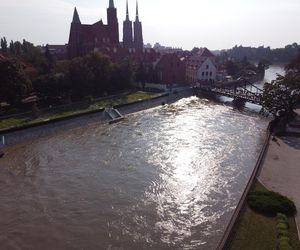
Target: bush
x=271 y=203
x=282 y=226
x=284 y=243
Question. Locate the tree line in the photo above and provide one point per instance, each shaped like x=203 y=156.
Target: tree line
x=92 y=75
x=280 y=55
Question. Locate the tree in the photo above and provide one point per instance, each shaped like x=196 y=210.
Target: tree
x=294 y=65
x=53 y=86
x=12 y=49
x=4 y=45
x=122 y=75
x=18 y=47
x=14 y=84
x=281 y=96
x=100 y=68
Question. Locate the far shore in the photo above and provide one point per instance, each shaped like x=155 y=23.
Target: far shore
x=35 y=131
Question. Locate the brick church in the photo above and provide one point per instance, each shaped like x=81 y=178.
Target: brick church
x=85 y=38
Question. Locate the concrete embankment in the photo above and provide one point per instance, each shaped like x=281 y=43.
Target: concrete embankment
x=241 y=204
x=22 y=134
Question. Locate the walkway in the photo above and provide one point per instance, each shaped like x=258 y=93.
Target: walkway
x=281 y=170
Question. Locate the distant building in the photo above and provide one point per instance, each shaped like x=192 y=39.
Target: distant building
x=85 y=38
x=58 y=52
x=127 y=31
x=166 y=50
x=170 y=70
x=138 y=31
x=201 y=67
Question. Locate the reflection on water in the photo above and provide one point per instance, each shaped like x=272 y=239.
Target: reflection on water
x=166 y=178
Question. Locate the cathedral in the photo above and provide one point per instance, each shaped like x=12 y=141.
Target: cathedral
x=85 y=38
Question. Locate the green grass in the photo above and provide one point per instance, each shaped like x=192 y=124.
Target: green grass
x=130 y=98
x=259 y=232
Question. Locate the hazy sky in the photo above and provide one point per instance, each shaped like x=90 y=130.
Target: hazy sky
x=215 y=24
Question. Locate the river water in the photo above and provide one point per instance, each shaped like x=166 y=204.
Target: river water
x=165 y=178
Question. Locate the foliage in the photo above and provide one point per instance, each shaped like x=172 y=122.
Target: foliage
x=294 y=65
x=271 y=203
x=285 y=54
x=281 y=96
x=52 y=86
x=92 y=75
x=96 y=74
x=30 y=54
x=232 y=67
x=3 y=45
x=256 y=231
x=14 y=84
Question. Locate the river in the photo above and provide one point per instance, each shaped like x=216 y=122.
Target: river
x=165 y=178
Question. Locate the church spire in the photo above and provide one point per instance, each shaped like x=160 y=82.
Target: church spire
x=127 y=11
x=76 y=17
x=137 y=11
x=111 y=4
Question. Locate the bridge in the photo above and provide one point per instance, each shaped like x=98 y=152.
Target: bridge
x=239 y=90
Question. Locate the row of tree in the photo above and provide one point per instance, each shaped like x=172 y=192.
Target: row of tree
x=91 y=75
x=279 y=55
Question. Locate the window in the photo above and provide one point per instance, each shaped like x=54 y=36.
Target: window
x=202 y=73
x=206 y=73
x=210 y=73
x=207 y=66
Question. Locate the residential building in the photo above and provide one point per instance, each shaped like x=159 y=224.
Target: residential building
x=201 y=67
x=170 y=70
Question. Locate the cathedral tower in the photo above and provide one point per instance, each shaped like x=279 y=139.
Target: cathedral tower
x=74 y=38
x=112 y=22
x=127 y=30
x=138 y=32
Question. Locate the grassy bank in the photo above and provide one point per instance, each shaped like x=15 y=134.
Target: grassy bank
x=55 y=114
x=256 y=231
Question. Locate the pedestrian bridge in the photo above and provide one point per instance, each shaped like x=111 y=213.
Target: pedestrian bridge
x=242 y=90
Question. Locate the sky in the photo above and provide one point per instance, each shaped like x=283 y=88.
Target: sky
x=216 y=24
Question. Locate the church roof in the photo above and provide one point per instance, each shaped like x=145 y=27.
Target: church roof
x=76 y=17
x=111 y=4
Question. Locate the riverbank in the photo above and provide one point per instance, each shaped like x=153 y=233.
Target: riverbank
x=257 y=231
x=280 y=173
x=50 y=115
x=23 y=133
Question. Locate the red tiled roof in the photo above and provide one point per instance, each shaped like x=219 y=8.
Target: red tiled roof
x=205 y=53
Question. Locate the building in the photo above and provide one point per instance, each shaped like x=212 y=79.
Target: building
x=170 y=70
x=58 y=52
x=201 y=67
x=127 y=31
x=85 y=38
x=138 y=31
